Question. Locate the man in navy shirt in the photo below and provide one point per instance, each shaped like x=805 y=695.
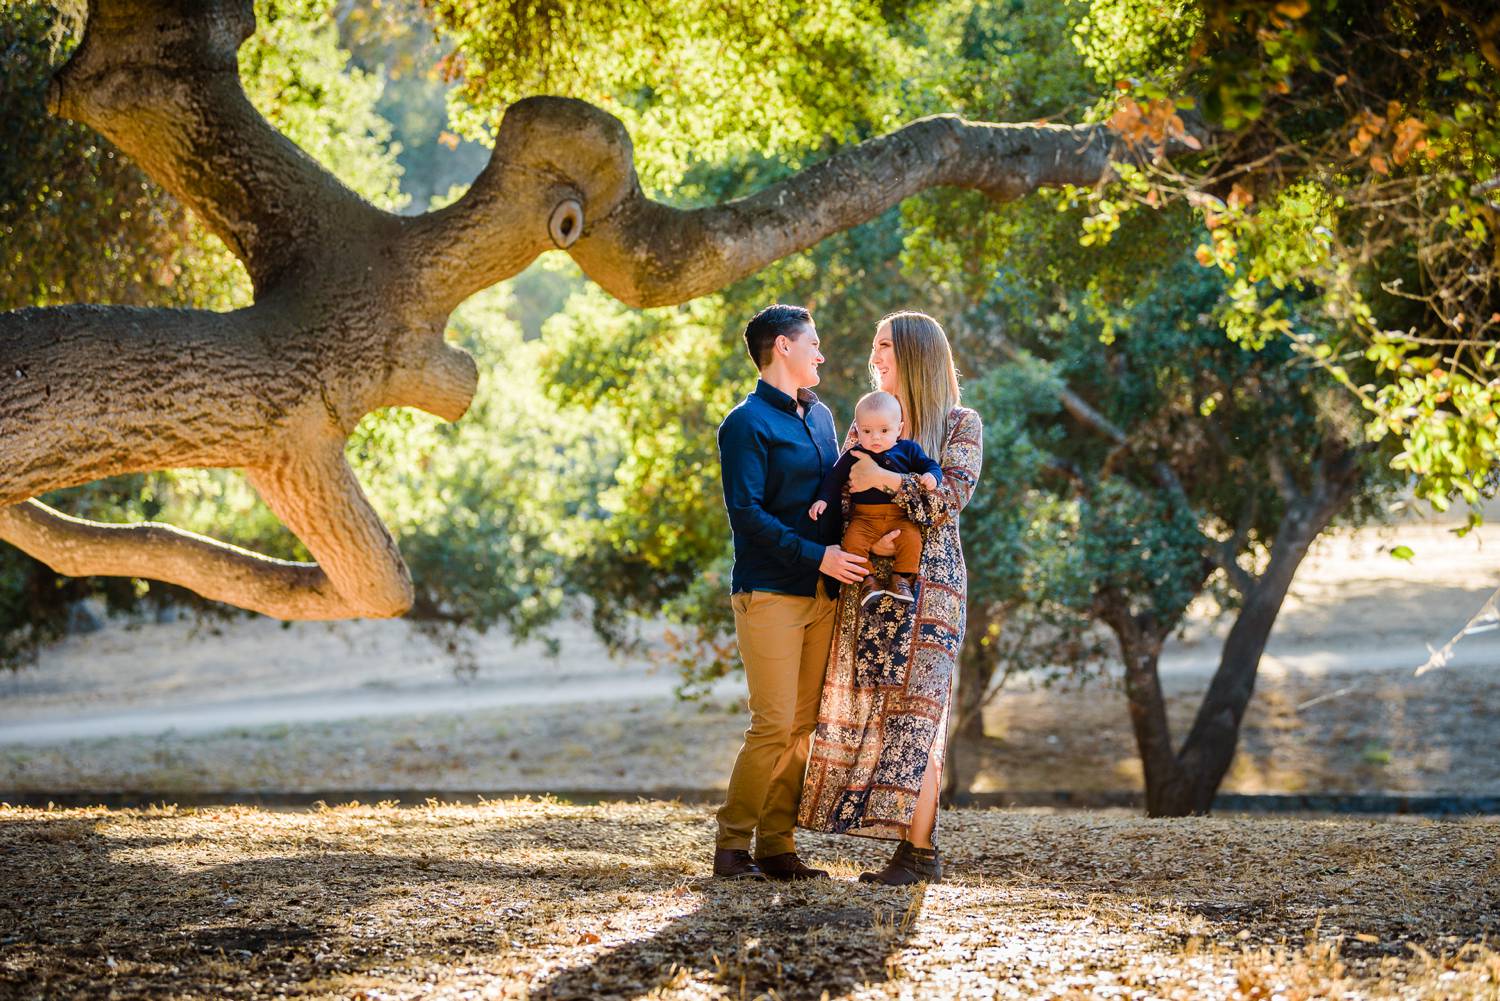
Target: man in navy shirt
x=774 y=450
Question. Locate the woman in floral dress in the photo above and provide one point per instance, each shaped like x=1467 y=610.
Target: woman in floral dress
x=877 y=756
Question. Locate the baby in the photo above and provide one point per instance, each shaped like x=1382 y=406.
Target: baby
x=877 y=422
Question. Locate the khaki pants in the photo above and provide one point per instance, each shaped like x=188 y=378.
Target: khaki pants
x=783 y=641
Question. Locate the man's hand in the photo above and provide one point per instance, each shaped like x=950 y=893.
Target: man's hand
x=843 y=567
x=886 y=544
x=928 y=481
x=818 y=508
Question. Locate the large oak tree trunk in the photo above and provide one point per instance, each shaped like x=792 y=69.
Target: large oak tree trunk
x=352 y=302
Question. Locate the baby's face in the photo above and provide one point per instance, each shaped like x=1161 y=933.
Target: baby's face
x=877 y=432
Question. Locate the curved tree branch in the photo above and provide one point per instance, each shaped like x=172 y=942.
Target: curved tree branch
x=316 y=495
x=358 y=574
x=160 y=79
x=96 y=391
x=76 y=547
x=558 y=159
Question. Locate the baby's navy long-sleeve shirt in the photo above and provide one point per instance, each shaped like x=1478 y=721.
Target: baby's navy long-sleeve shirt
x=906 y=456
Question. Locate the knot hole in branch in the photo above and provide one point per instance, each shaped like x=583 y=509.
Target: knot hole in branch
x=566 y=224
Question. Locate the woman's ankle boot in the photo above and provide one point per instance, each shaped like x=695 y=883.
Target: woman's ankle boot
x=909 y=865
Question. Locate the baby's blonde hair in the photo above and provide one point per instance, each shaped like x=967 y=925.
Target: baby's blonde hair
x=878 y=402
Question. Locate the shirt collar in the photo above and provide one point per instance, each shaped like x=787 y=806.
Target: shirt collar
x=780 y=400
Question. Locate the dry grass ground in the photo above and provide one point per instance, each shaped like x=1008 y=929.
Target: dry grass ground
x=538 y=899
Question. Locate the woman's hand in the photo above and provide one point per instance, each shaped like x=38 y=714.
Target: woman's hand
x=866 y=474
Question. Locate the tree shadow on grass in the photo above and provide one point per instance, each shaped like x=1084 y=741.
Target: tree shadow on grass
x=797 y=940
x=540 y=900
x=540 y=907
x=756 y=940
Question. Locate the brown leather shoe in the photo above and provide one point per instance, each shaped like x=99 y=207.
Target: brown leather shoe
x=907 y=866
x=870 y=588
x=735 y=863
x=787 y=867
x=900 y=588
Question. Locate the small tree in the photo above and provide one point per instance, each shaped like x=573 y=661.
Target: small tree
x=1187 y=465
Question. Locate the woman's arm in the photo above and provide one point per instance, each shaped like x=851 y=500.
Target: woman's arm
x=963 y=454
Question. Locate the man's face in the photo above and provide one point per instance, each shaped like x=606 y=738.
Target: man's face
x=877 y=431
x=801 y=356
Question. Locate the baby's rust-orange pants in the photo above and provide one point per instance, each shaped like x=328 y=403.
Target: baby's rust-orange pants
x=868 y=522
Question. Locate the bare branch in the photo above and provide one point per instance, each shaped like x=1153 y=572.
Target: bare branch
x=316 y=495
x=1079 y=408
x=1070 y=470
x=1084 y=413
x=95 y=391
x=1228 y=551
x=1485 y=187
x=75 y=547
x=1226 y=556
x=1485 y=35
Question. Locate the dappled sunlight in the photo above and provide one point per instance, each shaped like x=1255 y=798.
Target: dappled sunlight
x=534 y=898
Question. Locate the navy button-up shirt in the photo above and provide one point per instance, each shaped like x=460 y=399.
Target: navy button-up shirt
x=772 y=462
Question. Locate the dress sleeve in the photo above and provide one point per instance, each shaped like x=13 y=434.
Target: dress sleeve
x=925 y=463
x=963 y=453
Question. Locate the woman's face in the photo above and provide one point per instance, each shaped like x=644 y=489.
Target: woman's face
x=883 y=359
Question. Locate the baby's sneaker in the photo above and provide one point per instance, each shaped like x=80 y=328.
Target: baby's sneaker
x=900 y=588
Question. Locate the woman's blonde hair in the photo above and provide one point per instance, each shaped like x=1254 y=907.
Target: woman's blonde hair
x=926 y=384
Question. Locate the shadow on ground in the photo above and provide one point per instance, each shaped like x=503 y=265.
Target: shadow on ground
x=136 y=905
x=544 y=900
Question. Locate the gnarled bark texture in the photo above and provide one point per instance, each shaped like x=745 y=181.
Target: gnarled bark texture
x=351 y=302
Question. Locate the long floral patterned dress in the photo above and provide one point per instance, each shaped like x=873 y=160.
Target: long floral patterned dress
x=889 y=685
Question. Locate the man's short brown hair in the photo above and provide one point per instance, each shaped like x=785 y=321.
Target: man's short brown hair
x=770 y=323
